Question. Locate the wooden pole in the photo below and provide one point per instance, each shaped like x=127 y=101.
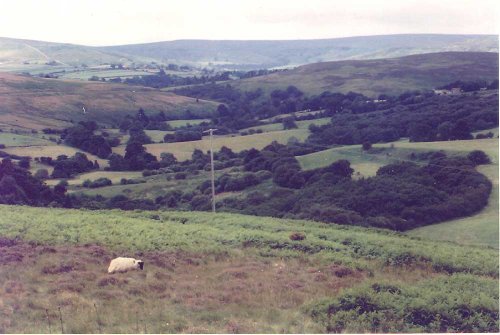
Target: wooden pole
x=211 y=132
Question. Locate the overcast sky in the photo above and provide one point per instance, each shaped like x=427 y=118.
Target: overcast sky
x=111 y=22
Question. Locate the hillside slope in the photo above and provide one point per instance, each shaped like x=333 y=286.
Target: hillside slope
x=297 y=52
x=23 y=55
x=388 y=76
x=18 y=51
x=217 y=273
x=36 y=103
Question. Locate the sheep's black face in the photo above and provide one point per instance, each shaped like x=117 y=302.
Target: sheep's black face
x=141 y=265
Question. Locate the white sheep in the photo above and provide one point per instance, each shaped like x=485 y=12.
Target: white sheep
x=124 y=264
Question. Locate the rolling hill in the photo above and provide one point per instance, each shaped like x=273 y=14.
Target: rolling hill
x=297 y=52
x=25 y=55
x=36 y=103
x=389 y=76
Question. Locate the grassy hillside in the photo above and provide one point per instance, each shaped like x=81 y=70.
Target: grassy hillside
x=36 y=103
x=391 y=76
x=481 y=229
x=219 y=273
x=17 y=52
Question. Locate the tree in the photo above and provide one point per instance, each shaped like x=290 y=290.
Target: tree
x=421 y=132
x=167 y=159
x=445 y=131
x=461 y=131
x=479 y=157
x=289 y=123
x=42 y=174
x=367 y=146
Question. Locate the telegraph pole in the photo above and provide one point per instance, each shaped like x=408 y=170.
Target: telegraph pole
x=211 y=132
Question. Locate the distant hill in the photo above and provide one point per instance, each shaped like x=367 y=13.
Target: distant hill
x=388 y=76
x=36 y=103
x=23 y=55
x=259 y=54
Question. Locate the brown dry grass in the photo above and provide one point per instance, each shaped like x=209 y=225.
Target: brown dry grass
x=177 y=291
x=38 y=103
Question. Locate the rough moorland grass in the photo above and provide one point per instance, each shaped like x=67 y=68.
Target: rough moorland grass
x=206 y=232
x=459 y=303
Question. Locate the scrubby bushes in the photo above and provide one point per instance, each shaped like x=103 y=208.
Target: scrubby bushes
x=66 y=167
x=100 y=182
x=458 y=303
x=401 y=196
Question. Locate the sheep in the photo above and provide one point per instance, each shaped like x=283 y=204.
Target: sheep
x=124 y=264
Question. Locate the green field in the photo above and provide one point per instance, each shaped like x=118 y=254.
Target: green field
x=23 y=140
x=363 y=163
x=210 y=272
x=279 y=126
x=103 y=73
x=183 y=123
x=114 y=176
x=184 y=150
x=51 y=151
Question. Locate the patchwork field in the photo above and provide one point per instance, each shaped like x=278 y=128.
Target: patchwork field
x=229 y=273
x=184 y=150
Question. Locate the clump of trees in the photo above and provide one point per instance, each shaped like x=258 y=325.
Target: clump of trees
x=82 y=136
x=99 y=182
x=401 y=196
x=67 y=167
x=428 y=118
x=19 y=187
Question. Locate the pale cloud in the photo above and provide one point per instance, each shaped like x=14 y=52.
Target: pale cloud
x=109 y=22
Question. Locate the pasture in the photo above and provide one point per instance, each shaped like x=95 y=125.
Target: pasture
x=114 y=176
x=364 y=164
x=23 y=140
x=184 y=123
x=279 y=126
x=184 y=150
x=51 y=151
x=214 y=273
